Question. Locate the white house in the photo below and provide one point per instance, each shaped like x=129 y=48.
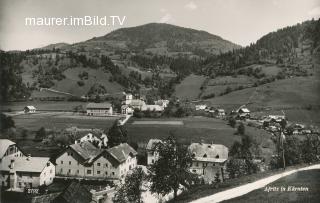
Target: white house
x=152 y=154
x=208 y=159
x=155 y=108
x=162 y=102
x=101 y=140
x=9 y=149
x=243 y=112
x=29 y=109
x=126 y=110
x=99 y=109
x=220 y=112
x=26 y=172
x=201 y=107
x=87 y=161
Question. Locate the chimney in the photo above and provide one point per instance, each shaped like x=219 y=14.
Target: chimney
x=11 y=164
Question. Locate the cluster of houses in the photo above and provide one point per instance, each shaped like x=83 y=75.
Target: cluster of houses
x=217 y=112
x=128 y=106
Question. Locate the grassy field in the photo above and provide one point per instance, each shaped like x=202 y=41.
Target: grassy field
x=197 y=129
x=189 y=88
x=309 y=179
x=69 y=84
x=58 y=121
x=42 y=106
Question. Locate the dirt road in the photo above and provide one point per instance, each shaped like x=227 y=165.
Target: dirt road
x=244 y=189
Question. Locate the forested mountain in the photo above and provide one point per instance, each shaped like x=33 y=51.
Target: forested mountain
x=155 y=57
x=284 y=47
x=162 y=39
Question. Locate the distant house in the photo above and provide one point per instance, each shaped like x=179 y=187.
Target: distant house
x=152 y=154
x=201 y=107
x=277 y=118
x=100 y=140
x=87 y=161
x=26 y=172
x=9 y=149
x=206 y=157
x=220 y=112
x=243 y=112
x=29 y=109
x=99 y=109
x=126 y=110
x=162 y=102
x=155 y=108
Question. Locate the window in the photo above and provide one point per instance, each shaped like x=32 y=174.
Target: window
x=194 y=171
x=61 y=170
x=88 y=171
x=106 y=173
x=205 y=156
x=197 y=164
x=78 y=171
x=217 y=157
x=98 y=164
x=98 y=172
x=69 y=171
x=107 y=165
x=68 y=154
x=20 y=184
x=61 y=162
x=69 y=162
x=113 y=173
x=152 y=161
x=51 y=171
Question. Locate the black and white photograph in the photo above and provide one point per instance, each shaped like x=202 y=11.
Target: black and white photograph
x=159 y=101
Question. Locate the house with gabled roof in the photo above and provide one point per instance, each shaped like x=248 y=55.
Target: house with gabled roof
x=26 y=172
x=99 y=109
x=208 y=156
x=9 y=149
x=88 y=161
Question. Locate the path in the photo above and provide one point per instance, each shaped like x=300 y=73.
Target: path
x=244 y=189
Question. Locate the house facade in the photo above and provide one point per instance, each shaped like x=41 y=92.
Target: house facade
x=208 y=159
x=9 y=149
x=86 y=160
x=26 y=172
x=99 y=109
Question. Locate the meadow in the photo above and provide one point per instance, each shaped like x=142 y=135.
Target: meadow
x=189 y=88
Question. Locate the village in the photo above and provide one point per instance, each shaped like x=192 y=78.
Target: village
x=91 y=162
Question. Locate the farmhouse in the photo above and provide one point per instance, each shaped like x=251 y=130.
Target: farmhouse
x=29 y=109
x=9 y=149
x=126 y=110
x=152 y=154
x=26 y=172
x=99 y=109
x=220 y=112
x=87 y=161
x=100 y=140
x=155 y=108
x=208 y=160
x=201 y=107
x=162 y=102
x=243 y=112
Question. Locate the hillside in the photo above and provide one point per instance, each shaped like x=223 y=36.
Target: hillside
x=161 y=39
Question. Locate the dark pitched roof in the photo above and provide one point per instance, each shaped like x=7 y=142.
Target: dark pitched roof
x=121 y=152
x=86 y=150
x=104 y=105
x=74 y=193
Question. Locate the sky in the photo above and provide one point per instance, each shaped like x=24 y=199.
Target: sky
x=239 y=21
